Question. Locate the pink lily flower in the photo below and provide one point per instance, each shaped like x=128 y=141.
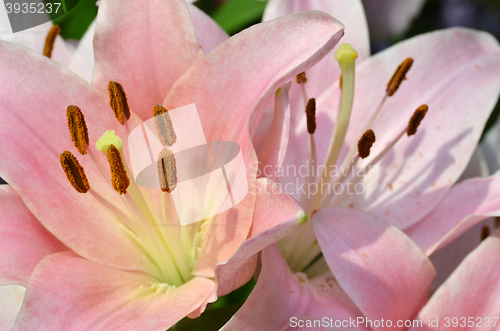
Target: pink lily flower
x=87 y=261
x=365 y=254
x=470 y=298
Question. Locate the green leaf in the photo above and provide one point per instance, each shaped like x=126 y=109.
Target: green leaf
x=210 y=320
x=78 y=18
x=236 y=15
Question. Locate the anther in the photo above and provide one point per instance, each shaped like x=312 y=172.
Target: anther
x=485 y=232
x=366 y=143
x=415 y=120
x=311 y=115
x=301 y=78
x=399 y=76
x=167 y=170
x=77 y=128
x=118 y=101
x=74 y=172
x=50 y=39
x=164 y=126
x=119 y=178
x=340 y=82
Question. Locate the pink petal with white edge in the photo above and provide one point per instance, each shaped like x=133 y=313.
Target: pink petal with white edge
x=33 y=132
x=276 y=215
x=378 y=266
x=12 y=299
x=23 y=240
x=145 y=46
x=473 y=290
x=208 y=32
x=272 y=134
x=282 y=299
x=67 y=292
x=82 y=62
x=411 y=180
x=467 y=204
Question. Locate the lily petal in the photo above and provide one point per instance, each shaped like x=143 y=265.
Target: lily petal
x=411 y=179
x=132 y=48
x=82 y=62
x=281 y=299
x=379 y=267
x=276 y=215
x=23 y=240
x=272 y=135
x=67 y=292
x=467 y=204
x=12 y=298
x=208 y=32
x=473 y=290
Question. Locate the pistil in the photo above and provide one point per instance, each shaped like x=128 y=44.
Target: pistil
x=346 y=56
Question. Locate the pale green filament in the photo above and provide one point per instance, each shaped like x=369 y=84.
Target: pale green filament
x=346 y=56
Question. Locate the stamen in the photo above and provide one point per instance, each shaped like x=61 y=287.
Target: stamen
x=485 y=232
x=77 y=128
x=311 y=115
x=399 y=76
x=50 y=39
x=167 y=170
x=415 y=120
x=164 y=126
x=301 y=78
x=119 y=178
x=118 y=102
x=366 y=143
x=74 y=172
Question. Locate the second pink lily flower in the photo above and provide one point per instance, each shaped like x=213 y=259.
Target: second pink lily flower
x=365 y=254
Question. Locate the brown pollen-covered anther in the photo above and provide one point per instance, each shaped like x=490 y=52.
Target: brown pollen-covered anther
x=77 y=128
x=118 y=102
x=415 y=120
x=74 y=172
x=301 y=78
x=311 y=115
x=167 y=170
x=365 y=143
x=399 y=76
x=164 y=126
x=119 y=178
x=50 y=39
